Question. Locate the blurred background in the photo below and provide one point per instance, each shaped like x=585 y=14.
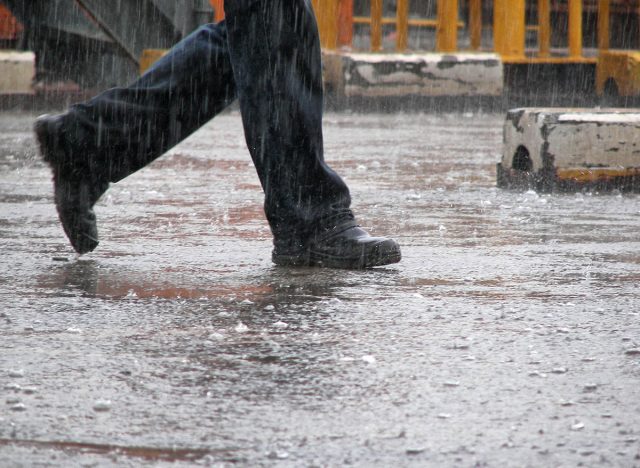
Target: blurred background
x=586 y=47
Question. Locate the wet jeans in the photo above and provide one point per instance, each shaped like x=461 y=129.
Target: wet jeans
x=267 y=55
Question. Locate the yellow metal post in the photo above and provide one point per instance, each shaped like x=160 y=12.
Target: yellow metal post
x=475 y=23
x=575 y=28
x=603 y=24
x=376 y=25
x=447 y=26
x=402 y=22
x=544 y=28
x=327 y=15
x=509 y=27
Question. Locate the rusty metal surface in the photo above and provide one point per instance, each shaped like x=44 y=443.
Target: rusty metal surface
x=508 y=335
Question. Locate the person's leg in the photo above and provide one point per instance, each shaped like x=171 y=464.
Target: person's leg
x=123 y=129
x=275 y=54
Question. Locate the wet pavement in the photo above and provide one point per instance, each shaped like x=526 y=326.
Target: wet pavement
x=509 y=335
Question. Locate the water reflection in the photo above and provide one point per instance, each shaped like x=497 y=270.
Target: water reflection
x=274 y=334
x=272 y=285
x=65 y=277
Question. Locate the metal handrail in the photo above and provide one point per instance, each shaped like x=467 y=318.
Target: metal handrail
x=446 y=24
x=336 y=22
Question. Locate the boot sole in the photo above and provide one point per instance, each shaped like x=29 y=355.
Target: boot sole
x=368 y=259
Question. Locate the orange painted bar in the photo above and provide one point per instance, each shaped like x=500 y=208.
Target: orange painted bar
x=575 y=28
x=327 y=16
x=9 y=26
x=544 y=28
x=475 y=23
x=402 y=25
x=376 y=25
x=509 y=28
x=447 y=27
x=218 y=10
x=345 y=23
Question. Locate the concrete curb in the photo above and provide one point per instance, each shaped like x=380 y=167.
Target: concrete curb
x=17 y=71
x=429 y=75
x=569 y=148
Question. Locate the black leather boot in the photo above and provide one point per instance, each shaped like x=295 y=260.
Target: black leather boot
x=345 y=246
x=76 y=186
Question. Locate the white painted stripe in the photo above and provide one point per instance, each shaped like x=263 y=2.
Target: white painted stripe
x=596 y=117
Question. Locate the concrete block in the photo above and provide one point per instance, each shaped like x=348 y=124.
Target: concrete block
x=429 y=74
x=548 y=149
x=17 y=70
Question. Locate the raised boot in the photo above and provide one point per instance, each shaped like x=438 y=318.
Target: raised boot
x=76 y=187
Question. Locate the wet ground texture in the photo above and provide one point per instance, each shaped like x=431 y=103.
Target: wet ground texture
x=509 y=335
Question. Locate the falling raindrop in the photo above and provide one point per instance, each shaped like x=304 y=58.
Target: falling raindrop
x=102 y=405
x=18 y=407
x=241 y=328
x=369 y=359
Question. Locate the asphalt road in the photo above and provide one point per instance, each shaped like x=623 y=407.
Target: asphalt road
x=509 y=335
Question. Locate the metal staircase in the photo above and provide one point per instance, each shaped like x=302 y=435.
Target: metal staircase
x=98 y=43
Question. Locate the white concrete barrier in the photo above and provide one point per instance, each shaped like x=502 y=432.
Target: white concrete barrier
x=547 y=148
x=430 y=74
x=17 y=70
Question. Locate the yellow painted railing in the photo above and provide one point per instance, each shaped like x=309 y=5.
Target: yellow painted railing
x=336 y=21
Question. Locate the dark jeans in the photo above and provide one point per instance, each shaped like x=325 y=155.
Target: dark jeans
x=266 y=54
